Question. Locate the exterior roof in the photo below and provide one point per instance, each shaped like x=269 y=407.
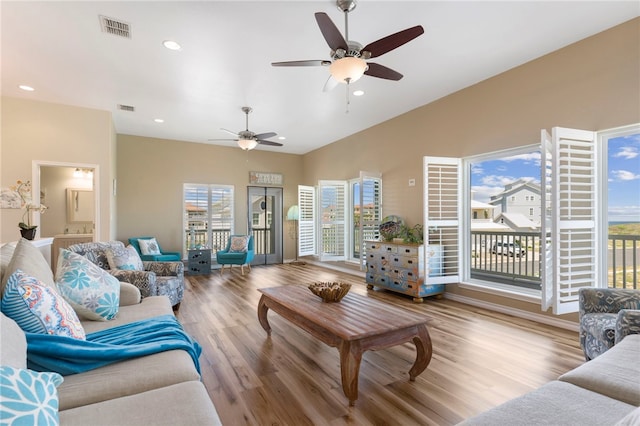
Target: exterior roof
x=480 y=205
x=518 y=220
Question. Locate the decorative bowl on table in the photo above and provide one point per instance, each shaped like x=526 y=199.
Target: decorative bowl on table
x=330 y=292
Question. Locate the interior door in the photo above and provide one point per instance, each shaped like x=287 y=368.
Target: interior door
x=265 y=223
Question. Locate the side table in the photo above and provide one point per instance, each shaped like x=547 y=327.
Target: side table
x=199 y=261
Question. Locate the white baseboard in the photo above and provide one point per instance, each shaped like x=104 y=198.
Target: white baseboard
x=543 y=319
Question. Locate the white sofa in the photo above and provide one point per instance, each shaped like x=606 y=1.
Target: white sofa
x=600 y=392
x=159 y=389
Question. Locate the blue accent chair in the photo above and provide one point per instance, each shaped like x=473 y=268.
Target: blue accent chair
x=229 y=257
x=164 y=256
x=607 y=315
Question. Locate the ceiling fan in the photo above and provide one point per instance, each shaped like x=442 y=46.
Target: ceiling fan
x=348 y=58
x=246 y=139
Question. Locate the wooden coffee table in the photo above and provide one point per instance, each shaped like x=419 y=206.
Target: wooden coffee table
x=354 y=325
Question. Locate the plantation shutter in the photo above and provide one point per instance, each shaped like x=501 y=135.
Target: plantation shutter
x=208 y=215
x=546 y=248
x=333 y=220
x=442 y=212
x=574 y=206
x=307 y=221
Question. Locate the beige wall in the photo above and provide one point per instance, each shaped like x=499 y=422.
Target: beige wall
x=593 y=84
x=45 y=132
x=151 y=173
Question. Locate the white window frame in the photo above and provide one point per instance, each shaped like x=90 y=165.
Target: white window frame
x=492 y=287
x=371 y=225
x=341 y=222
x=210 y=189
x=603 y=145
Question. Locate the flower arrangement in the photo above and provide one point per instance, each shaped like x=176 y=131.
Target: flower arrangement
x=23 y=189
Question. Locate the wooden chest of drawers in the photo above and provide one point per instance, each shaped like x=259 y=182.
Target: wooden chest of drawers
x=400 y=268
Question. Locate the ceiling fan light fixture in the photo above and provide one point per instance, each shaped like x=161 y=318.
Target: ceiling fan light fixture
x=348 y=69
x=247 y=144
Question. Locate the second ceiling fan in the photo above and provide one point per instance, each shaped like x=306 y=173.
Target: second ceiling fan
x=348 y=58
x=246 y=139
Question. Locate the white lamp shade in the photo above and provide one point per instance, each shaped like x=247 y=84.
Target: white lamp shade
x=293 y=213
x=247 y=144
x=348 y=69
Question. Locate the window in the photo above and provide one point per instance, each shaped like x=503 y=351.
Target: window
x=366 y=212
x=568 y=252
x=208 y=215
x=333 y=224
x=492 y=178
x=620 y=235
x=343 y=217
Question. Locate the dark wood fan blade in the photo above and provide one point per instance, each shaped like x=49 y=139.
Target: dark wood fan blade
x=380 y=71
x=263 y=142
x=330 y=32
x=265 y=135
x=309 y=63
x=223 y=140
x=388 y=43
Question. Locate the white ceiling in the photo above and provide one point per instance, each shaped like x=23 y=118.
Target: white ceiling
x=227 y=49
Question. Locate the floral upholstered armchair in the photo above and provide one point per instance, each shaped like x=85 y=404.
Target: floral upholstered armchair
x=152 y=278
x=607 y=315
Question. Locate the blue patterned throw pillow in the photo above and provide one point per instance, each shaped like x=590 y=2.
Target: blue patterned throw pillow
x=28 y=397
x=92 y=291
x=37 y=308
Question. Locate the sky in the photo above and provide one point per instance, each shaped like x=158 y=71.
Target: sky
x=624 y=179
x=623 y=176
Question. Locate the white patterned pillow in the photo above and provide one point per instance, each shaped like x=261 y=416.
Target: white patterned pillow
x=239 y=244
x=29 y=397
x=126 y=258
x=92 y=291
x=149 y=246
x=37 y=308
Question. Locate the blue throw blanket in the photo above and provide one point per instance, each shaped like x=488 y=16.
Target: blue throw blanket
x=66 y=355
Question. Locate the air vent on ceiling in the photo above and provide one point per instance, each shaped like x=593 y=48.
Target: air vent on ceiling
x=115 y=27
x=126 y=108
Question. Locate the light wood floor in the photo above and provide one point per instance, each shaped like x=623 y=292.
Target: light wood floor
x=480 y=358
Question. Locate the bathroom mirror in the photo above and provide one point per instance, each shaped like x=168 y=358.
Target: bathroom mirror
x=80 y=205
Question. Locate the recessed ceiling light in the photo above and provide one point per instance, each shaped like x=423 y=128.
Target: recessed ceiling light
x=158 y=120
x=26 y=88
x=358 y=93
x=281 y=138
x=171 y=45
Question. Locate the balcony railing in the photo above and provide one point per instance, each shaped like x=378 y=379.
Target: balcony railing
x=506 y=257
x=623 y=253
x=219 y=237
x=492 y=260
